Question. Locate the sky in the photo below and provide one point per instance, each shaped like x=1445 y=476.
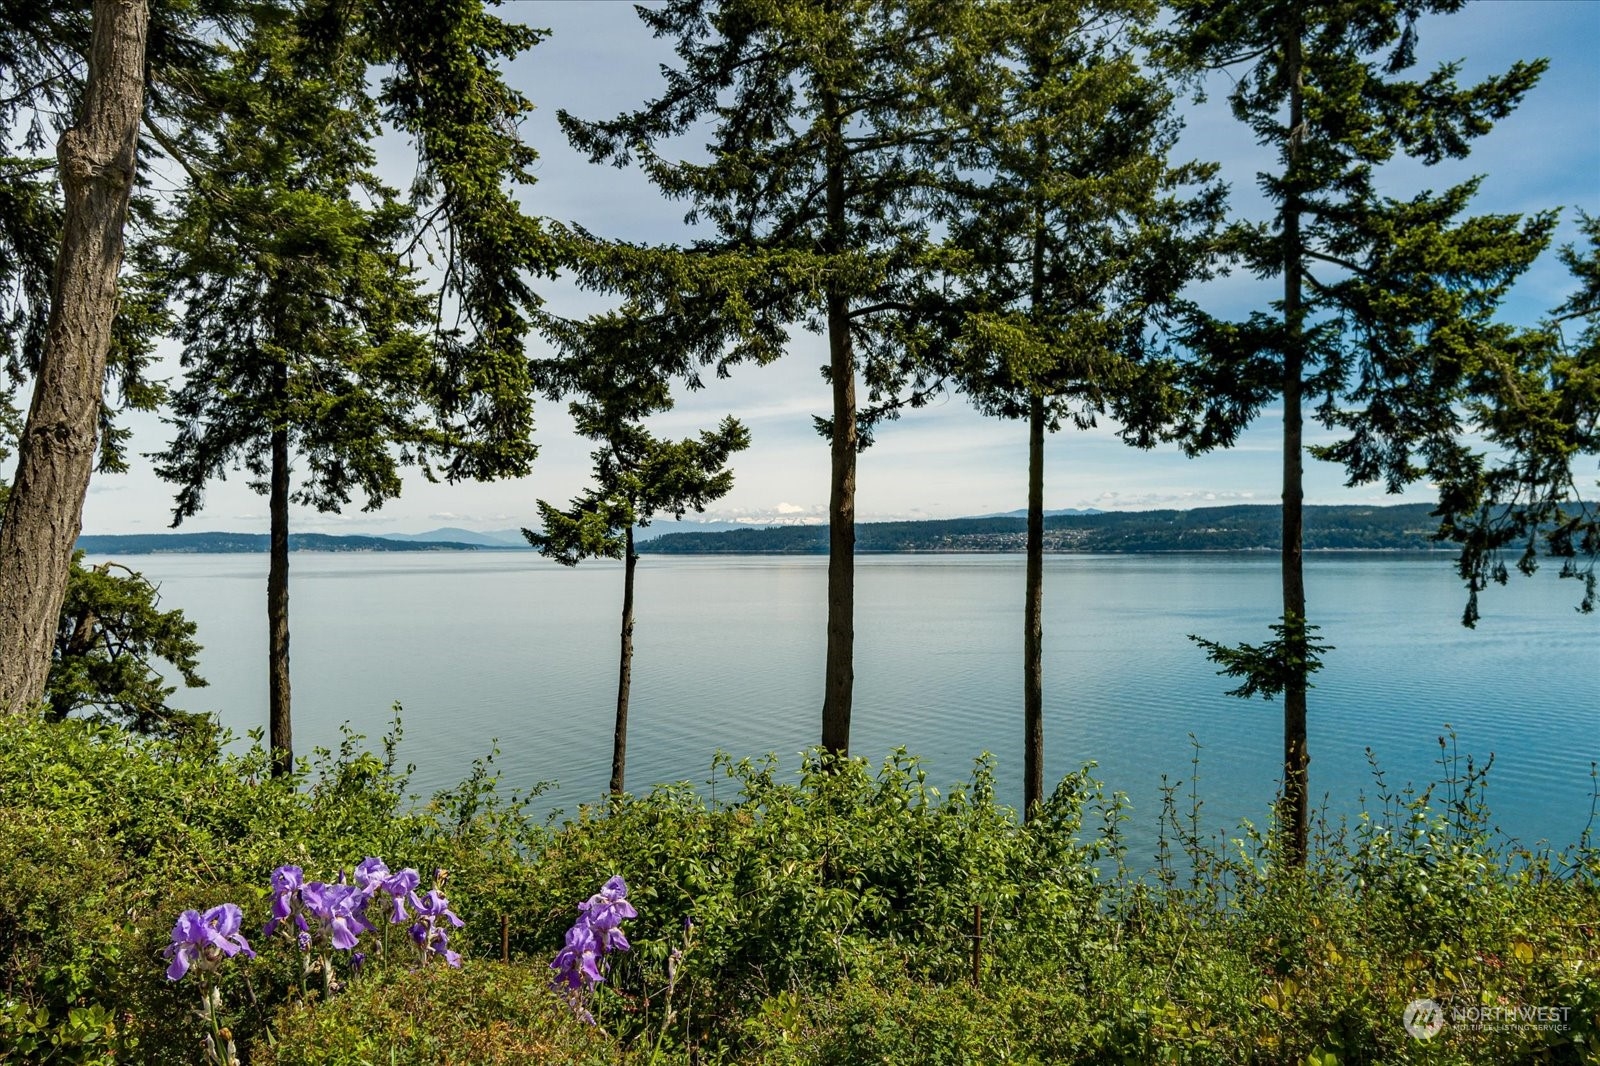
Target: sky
x=945 y=460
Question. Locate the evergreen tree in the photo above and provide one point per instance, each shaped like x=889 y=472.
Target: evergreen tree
x=439 y=86
x=299 y=324
x=1537 y=402
x=304 y=322
x=1075 y=239
x=822 y=140
x=1385 y=301
x=637 y=475
x=57 y=450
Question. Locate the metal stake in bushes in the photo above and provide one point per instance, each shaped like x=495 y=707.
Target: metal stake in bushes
x=977 y=941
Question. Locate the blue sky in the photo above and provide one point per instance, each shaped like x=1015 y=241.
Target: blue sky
x=945 y=460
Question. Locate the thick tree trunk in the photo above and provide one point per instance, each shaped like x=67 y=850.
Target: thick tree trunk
x=619 y=739
x=1033 y=624
x=1295 y=812
x=279 y=733
x=44 y=512
x=840 y=678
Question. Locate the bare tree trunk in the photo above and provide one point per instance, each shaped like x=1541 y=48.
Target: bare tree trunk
x=1295 y=810
x=44 y=512
x=1033 y=619
x=840 y=677
x=619 y=740
x=280 y=736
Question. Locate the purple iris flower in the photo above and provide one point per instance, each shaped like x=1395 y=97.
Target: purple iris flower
x=577 y=964
x=580 y=964
x=287 y=881
x=370 y=874
x=606 y=911
x=398 y=887
x=340 y=910
x=428 y=933
x=202 y=941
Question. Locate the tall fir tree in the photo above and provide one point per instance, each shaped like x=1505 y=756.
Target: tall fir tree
x=300 y=324
x=822 y=143
x=637 y=475
x=1385 y=301
x=1075 y=237
x=66 y=317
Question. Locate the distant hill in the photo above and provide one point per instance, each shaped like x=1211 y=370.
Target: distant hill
x=1023 y=513
x=1401 y=527
x=501 y=538
x=218 y=543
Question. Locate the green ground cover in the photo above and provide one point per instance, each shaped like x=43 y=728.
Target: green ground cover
x=818 y=918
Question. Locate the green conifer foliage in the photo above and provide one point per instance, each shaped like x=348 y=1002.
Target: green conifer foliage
x=822 y=138
x=308 y=337
x=1070 y=238
x=1386 y=301
x=637 y=475
x=1537 y=403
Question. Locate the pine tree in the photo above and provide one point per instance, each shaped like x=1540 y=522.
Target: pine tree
x=637 y=476
x=1385 y=301
x=1075 y=237
x=822 y=141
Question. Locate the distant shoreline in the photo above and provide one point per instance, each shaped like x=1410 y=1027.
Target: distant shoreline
x=1246 y=529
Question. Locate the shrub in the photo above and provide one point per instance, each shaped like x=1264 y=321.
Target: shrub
x=484 y=1013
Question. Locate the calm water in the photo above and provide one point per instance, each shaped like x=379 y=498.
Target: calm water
x=729 y=656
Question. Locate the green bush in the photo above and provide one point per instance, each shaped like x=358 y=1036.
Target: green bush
x=828 y=920
x=485 y=1013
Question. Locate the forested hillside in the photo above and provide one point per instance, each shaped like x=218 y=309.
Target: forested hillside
x=1403 y=527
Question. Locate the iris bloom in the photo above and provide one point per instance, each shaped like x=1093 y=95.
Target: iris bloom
x=339 y=909
x=605 y=911
x=580 y=964
x=428 y=933
x=287 y=882
x=202 y=941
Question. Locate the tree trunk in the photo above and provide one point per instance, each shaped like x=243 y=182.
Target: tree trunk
x=44 y=512
x=840 y=678
x=619 y=740
x=279 y=733
x=1295 y=812
x=1033 y=619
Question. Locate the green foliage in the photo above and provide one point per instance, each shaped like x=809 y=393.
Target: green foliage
x=299 y=314
x=1070 y=235
x=832 y=919
x=484 y=1014
x=110 y=837
x=637 y=475
x=442 y=86
x=1538 y=403
x=111 y=629
x=1289 y=658
x=823 y=145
